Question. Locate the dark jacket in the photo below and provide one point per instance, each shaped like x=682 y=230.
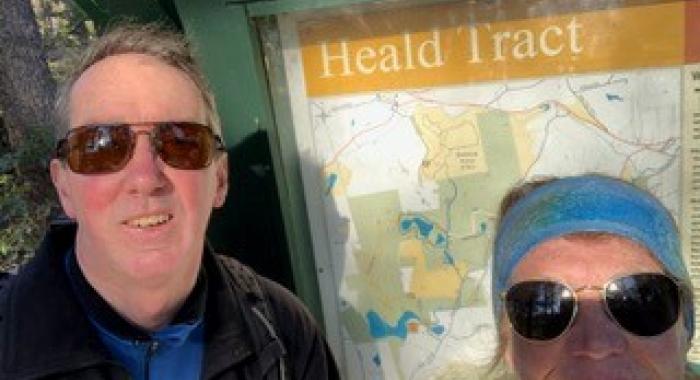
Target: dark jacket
x=45 y=334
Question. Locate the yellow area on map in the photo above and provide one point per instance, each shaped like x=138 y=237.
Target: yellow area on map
x=522 y=138
x=578 y=111
x=426 y=283
x=337 y=177
x=453 y=143
x=377 y=280
x=629 y=171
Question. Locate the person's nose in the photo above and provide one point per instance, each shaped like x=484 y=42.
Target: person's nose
x=145 y=171
x=593 y=334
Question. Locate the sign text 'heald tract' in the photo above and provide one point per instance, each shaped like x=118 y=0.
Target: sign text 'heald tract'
x=425 y=50
x=350 y=56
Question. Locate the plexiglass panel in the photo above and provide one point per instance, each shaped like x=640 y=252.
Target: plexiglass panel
x=412 y=121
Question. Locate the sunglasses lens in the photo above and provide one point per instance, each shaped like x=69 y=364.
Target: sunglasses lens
x=98 y=149
x=107 y=148
x=540 y=310
x=185 y=145
x=644 y=304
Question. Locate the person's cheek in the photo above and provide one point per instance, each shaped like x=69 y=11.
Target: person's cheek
x=96 y=198
x=534 y=361
x=662 y=355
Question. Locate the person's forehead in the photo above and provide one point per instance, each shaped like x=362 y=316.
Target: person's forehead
x=585 y=260
x=134 y=88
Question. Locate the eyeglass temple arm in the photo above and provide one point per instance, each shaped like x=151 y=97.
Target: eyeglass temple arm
x=60 y=151
x=219 y=144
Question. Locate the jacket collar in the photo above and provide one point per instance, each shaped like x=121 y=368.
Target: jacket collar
x=102 y=313
x=226 y=333
x=44 y=330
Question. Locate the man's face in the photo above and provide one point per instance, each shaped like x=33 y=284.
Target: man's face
x=146 y=222
x=594 y=347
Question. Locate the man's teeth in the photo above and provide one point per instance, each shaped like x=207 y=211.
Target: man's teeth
x=149 y=221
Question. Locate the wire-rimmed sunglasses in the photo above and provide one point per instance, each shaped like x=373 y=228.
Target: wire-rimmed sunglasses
x=107 y=148
x=644 y=304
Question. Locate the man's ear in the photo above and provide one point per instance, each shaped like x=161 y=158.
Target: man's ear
x=58 y=177
x=221 y=180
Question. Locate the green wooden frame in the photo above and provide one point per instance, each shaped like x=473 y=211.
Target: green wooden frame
x=269 y=8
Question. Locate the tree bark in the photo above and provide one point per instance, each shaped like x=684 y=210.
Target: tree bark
x=27 y=88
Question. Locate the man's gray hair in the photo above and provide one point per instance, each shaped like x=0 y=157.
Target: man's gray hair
x=151 y=39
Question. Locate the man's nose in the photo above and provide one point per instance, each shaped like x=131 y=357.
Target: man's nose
x=145 y=170
x=593 y=334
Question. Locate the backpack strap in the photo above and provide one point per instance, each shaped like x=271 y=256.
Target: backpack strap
x=258 y=315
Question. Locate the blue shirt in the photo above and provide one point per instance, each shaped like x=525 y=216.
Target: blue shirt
x=174 y=352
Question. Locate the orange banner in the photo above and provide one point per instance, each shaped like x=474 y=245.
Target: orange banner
x=692 y=31
x=400 y=50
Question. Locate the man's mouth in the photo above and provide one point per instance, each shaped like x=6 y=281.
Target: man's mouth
x=149 y=221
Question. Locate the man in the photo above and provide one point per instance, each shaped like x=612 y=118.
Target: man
x=131 y=291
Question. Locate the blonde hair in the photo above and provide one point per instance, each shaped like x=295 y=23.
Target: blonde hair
x=152 y=39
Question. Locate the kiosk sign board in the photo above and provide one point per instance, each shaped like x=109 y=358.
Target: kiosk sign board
x=412 y=123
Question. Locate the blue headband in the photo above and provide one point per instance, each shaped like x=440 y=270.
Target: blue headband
x=589 y=203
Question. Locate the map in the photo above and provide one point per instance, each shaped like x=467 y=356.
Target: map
x=412 y=183
x=412 y=123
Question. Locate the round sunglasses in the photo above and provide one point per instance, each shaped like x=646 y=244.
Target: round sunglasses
x=644 y=304
x=98 y=149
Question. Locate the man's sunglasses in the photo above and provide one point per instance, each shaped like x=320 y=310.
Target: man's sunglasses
x=97 y=149
x=644 y=304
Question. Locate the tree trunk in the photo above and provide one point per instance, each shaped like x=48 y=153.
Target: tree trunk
x=27 y=89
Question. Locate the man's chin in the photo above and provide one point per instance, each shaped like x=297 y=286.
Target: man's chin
x=151 y=265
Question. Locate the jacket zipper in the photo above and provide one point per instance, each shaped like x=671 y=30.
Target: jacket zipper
x=150 y=350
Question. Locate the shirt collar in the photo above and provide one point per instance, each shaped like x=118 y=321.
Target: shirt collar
x=104 y=314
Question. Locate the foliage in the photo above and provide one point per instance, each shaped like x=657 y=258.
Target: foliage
x=26 y=197
x=65 y=31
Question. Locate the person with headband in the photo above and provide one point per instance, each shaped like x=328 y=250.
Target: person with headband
x=588 y=282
